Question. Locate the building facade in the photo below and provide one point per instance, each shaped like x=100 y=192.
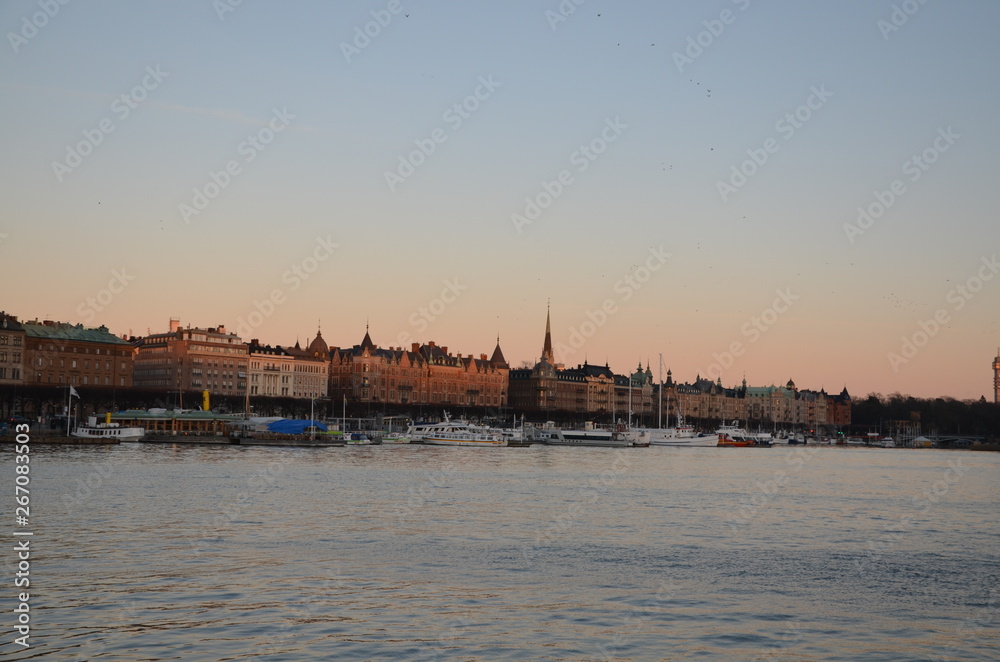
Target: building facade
x=271 y=371
x=586 y=390
x=62 y=354
x=11 y=350
x=289 y=372
x=589 y=390
x=311 y=367
x=189 y=359
x=423 y=375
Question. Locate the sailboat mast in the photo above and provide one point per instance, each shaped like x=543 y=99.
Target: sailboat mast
x=659 y=376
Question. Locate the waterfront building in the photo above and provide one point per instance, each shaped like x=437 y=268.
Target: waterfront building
x=11 y=350
x=586 y=389
x=425 y=374
x=289 y=372
x=311 y=368
x=271 y=371
x=189 y=359
x=63 y=354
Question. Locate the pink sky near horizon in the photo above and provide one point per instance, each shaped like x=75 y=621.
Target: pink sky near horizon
x=665 y=140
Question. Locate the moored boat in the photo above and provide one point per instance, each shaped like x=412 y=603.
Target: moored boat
x=108 y=431
x=457 y=433
x=733 y=435
x=588 y=437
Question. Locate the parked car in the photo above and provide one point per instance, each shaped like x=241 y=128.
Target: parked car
x=17 y=420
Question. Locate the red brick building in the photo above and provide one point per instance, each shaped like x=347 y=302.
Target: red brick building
x=189 y=359
x=424 y=374
x=61 y=354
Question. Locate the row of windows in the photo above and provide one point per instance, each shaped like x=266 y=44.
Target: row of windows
x=219 y=350
x=85 y=380
x=74 y=364
x=10 y=373
x=86 y=350
x=15 y=340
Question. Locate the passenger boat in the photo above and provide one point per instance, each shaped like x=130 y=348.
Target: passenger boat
x=591 y=437
x=109 y=431
x=459 y=433
x=395 y=438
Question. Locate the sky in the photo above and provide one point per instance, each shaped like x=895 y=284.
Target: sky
x=770 y=190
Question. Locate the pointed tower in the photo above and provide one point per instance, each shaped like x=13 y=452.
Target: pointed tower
x=367 y=343
x=497 y=358
x=547 y=354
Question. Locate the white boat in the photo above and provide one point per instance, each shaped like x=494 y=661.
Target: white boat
x=109 y=431
x=887 y=442
x=458 y=433
x=554 y=437
x=733 y=435
x=679 y=436
x=395 y=438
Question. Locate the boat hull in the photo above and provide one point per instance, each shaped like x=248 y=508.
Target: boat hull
x=690 y=442
x=445 y=441
x=117 y=434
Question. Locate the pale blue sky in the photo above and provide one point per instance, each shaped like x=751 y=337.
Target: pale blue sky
x=656 y=185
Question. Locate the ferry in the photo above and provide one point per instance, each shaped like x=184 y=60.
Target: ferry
x=589 y=437
x=459 y=433
x=109 y=431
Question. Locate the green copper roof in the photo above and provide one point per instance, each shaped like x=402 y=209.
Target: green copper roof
x=61 y=331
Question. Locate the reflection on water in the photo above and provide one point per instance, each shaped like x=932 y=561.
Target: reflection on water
x=158 y=552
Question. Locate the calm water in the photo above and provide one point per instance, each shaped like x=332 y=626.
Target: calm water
x=431 y=553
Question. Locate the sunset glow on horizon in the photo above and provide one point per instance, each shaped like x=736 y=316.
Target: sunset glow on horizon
x=805 y=193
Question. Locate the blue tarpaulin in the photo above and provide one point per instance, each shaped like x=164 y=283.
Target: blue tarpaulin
x=290 y=426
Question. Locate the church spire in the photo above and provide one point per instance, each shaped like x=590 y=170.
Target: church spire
x=547 y=354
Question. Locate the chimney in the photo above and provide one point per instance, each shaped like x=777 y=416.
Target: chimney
x=445 y=350
x=430 y=343
x=222 y=328
x=415 y=347
x=175 y=325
